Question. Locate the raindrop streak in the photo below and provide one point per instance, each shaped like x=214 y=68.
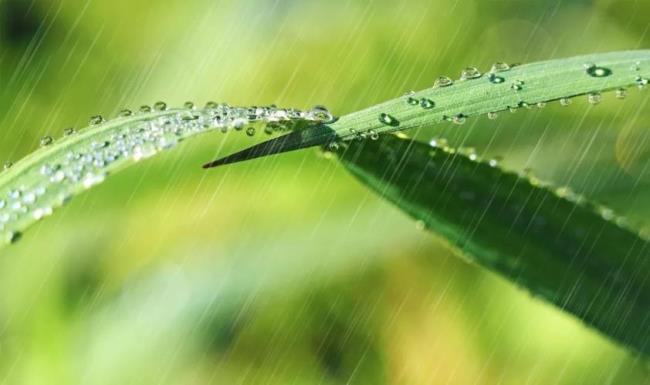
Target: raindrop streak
x=49 y=182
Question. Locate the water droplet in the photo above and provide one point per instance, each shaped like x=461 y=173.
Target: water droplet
x=541 y=104
x=96 y=119
x=594 y=98
x=211 y=105
x=145 y=109
x=13 y=237
x=333 y=146
x=597 y=72
x=427 y=103
x=438 y=143
x=412 y=101
x=470 y=73
x=420 y=225
x=388 y=120
x=250 y=131
x=46 y=141
x=189 y=105
x=160 y=106
x=459 y=119
x=517 y=85
x=69 y=131
x=492 y=115
x=7 y=165
x=373 y=134
x=125 y=112
x=565 y=102
x=621 y=93
x=641 y=82
x=443 y=81
x=496 y=79
x=499 y=67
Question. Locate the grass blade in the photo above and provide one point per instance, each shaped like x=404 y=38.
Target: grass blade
x=48 y=178
x=499 y=90
x=551 y=242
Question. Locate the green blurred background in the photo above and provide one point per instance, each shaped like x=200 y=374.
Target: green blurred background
x=286 y=270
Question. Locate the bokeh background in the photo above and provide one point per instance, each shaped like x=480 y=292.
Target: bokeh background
x=286 y=270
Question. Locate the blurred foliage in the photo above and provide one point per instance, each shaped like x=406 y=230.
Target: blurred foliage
x=287 y=270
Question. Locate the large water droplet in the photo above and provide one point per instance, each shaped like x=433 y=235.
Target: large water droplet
x=499 y=67
x=470 y=73
x=443 y=81
x=427 y=103
x=388 y=120
x=597 y=72
x=496 y=79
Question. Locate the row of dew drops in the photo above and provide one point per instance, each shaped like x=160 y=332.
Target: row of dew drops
x=45 y=186
x=494 y=77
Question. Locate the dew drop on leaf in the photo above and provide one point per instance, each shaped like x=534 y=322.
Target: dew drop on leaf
x=69 y=131
x=459 y=119
x=565 y=102
x=412 y=101
x=189 y=105
x=388 y=120
x=496 y=79
x=160 y=106
x=470 y=73
x=96 y=119
x=594 y=98
x=597 y=72
x=250 y=131
x=499 y=67
x=46 y=141
x=621 y=93
x=492 y=115
x=125 y=112
x=427 y=103
x=443 y=81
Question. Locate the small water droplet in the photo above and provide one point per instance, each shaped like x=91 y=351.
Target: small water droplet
x=565 y=102
x=492 y=115
x=594 y=98
x=46 y=141
x=13 y=237
x=160 y=106
x=145 y=108
x=621 y=93
x=427 y=103
x=388 y=120
x=412 y=101
x=443 y=81
x=333 y=146
x=517 y=85
x=420 y=225
x=7 y=165
x=541 y=104
x=459 y=119
x=641 y=82
x=597 y=72
x=96 y=119
x=211 y=105
x=250 y=131
x=470 y=73
x=125 y=112
x=496 y=79
x=69 y=131
x=189 y=105
x=373 y=134
x=500 y=67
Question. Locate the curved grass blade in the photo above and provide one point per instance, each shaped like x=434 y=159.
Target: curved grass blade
x=478 y=94
x=46 y=179
x=551 y=242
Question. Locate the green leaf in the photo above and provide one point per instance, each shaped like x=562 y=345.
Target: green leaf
x=51 y=176
x=554 y=243
x=499 y=90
